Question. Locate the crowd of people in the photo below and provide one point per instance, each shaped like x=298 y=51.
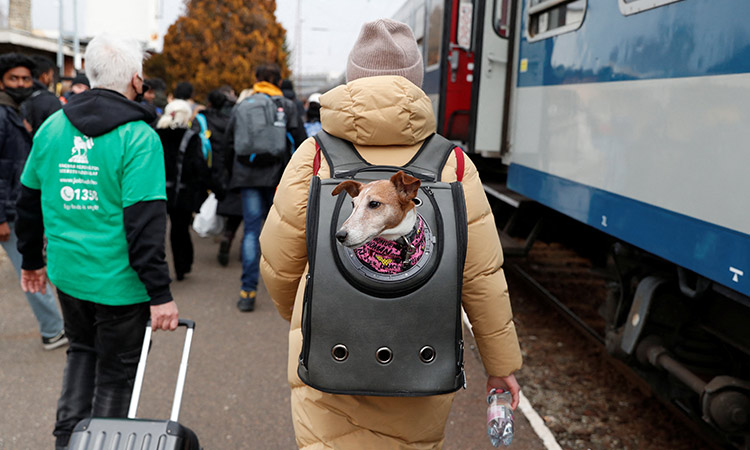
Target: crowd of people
x=93 y=222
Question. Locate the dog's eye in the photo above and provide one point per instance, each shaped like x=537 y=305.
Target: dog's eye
x=374 y=204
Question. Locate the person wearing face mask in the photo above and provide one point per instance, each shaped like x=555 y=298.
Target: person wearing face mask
x=94 y=184
x=15 y=143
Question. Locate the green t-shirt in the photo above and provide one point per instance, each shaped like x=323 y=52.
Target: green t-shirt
x=86 y=182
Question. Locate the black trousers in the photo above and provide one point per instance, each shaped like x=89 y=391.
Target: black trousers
x=102 y=360
x=179 y=238
x=231 y=224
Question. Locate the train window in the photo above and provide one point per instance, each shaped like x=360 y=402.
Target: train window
x=434 y=32
x=501 y=17
x=419 y=23
x=629 y=7
x=552 y=17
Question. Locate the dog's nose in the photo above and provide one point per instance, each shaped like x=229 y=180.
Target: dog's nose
x=341 y=235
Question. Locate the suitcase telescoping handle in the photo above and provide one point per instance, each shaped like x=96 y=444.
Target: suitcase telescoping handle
x=190 y=325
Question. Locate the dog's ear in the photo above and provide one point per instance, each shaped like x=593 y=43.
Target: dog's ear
x=350 y=186
x=406 y=184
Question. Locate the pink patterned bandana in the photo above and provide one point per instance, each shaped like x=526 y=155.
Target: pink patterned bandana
x=392 y=257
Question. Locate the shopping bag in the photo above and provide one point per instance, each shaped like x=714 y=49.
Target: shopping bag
x=207 y=222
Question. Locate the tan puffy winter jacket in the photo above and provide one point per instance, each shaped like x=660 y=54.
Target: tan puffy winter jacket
x=387 y=118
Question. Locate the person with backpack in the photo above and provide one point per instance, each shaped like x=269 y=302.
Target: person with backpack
x=387 y=118
x=263 y=131
x=187 y=178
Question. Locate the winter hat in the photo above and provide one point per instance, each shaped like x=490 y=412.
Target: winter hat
x=80 y=79
x=314 y=98
x=385 y=47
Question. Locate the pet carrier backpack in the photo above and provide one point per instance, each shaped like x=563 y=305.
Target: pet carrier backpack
x=387 y=334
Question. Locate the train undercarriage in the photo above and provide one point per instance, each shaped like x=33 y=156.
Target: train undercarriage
x=685 y=336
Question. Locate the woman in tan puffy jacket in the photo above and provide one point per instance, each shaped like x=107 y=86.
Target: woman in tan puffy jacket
x=386 y=115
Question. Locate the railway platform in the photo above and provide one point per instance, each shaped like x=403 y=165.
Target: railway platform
x=236 y=394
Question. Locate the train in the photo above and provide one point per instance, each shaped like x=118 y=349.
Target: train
x=632 y=118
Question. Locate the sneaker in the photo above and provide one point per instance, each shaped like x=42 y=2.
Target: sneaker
x=223 y=255
x=54 y=342
x=246 y=303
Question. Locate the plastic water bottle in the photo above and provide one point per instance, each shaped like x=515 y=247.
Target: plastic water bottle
x=280 y=118
x=500 y=417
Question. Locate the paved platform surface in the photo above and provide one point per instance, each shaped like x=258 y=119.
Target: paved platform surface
x=236 y=395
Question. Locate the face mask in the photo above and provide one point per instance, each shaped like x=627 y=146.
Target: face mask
x=139 y=95
x=19 y=94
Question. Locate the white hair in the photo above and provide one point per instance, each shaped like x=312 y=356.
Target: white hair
x=112 y=61
x=177 y=114
x=244 y=94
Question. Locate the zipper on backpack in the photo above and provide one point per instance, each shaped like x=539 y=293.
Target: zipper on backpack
x=305 y=353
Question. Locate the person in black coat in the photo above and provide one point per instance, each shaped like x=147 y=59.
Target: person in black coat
x=187 y=178
x=15 y=144
x=42 y=102
x=287 y=87
x=230 y=206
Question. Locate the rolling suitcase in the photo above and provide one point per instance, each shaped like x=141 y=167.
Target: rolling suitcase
x=141 y=434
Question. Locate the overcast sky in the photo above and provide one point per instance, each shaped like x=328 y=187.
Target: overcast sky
x=328 y=28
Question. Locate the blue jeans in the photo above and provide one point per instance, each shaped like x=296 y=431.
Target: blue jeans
x=44 y=305
x=256 y=202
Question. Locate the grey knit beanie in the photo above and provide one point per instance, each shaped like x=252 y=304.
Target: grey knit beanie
x=385 y=47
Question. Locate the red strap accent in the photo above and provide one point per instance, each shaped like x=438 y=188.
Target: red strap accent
x=316 y=160
x=459 y=163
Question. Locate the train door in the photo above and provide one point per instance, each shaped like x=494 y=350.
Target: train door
x=491 y=88
x=454 y=111
x=433 y=14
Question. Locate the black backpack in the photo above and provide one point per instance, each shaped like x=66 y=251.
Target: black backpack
x=177 y=185
x=369 y=333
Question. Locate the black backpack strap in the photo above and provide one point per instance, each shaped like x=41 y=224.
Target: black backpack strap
x=344 y=160
x=431 y=158
x=341 y=156
x=178 y=184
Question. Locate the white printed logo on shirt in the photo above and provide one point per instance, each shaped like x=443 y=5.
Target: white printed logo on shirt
x=81 y=147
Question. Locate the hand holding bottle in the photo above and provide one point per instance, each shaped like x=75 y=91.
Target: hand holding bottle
x=503 y=397
x=500 y=417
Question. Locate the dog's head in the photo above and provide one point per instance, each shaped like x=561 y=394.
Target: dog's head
x=379 y=206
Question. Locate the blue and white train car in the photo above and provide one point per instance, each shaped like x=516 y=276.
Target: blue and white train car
x=633 y=116
x=637 y=122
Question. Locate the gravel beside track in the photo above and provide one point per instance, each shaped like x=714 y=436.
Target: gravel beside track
x=585 y=401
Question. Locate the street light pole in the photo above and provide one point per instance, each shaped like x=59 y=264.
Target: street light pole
x=298 y=45
x=60 y=57
x=76 y=41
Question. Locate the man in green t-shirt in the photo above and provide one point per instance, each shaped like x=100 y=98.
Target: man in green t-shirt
x=94 y=184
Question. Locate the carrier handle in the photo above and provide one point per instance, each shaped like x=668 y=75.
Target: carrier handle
x=423 y=176
x=180 y=387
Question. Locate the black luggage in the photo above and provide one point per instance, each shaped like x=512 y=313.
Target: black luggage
x=141 y=434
